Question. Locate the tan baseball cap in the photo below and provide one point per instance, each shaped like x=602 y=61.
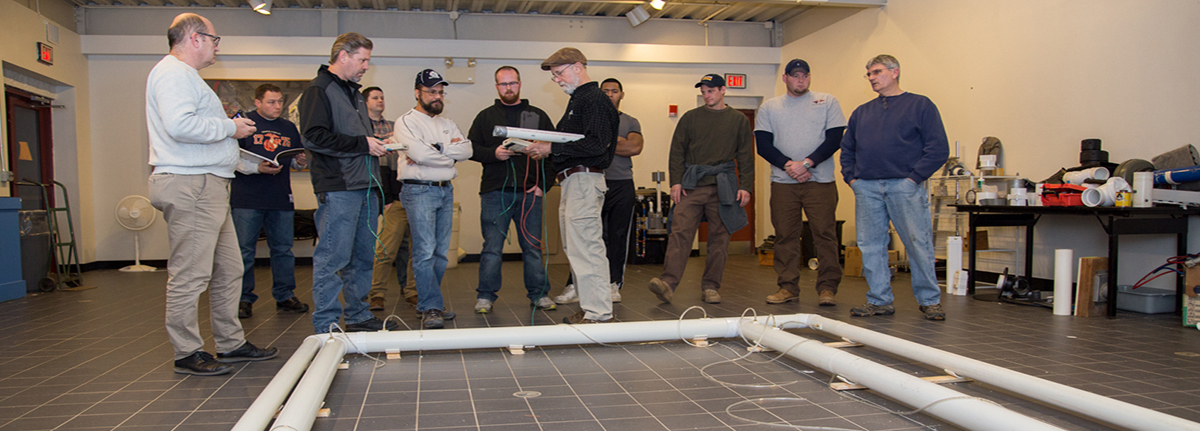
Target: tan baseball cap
x=564 y=56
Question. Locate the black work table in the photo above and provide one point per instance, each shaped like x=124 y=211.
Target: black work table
x=1156 y=220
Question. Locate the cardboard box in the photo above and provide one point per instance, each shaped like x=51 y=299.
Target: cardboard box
x=766 y=258
x=981 y=241
x=853 y=265
x=1191 y=298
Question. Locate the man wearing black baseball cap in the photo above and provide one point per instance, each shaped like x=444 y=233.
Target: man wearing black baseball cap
x=434 y=144
x=580 y=166
x=712 y=173
x=797 y=133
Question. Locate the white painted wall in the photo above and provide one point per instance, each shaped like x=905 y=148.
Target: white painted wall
x=654 y=77
x=1041 y=76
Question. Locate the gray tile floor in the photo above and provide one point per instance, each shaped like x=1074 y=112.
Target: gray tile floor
x=99 y=359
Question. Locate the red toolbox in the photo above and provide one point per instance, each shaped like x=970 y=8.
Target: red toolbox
x=1062 y=195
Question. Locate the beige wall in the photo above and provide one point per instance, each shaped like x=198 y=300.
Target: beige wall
x=121 y=170
x=20 y=30
x=1039 y=75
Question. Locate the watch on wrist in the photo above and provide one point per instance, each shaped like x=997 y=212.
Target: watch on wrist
x=807 y=164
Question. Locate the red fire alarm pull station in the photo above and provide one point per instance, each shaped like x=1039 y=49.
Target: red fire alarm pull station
x=45 y=53
x=735 y=80
x=672 y=111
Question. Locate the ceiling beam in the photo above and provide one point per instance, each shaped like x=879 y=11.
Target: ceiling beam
x=525 y=6
x=547 y=8
x=476 y=6
x=354 y=4
x=750 y=12
x=571 y=8
x=500 y=7
x=594 y=10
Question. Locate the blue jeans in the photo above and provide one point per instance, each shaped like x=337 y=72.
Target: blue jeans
x=344 y=256
x=498 y=210
x=430 y=215
x=278 y=227
x=906 y=205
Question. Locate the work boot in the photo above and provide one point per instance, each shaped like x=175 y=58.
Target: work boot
x=934 y=311
x=870 y=309
x=710 y=296
x=248 y=352
x=616 y=292
x=483 y=306
x=378 y=304
x=412 y=300
x=432 y=319
x=371 y=325
x=293 y=305
x=201 y=364
x=660 y=289
x=545 y=303
x=245 y=311
x=782 y=296
x=568 y=296
x=826 y=299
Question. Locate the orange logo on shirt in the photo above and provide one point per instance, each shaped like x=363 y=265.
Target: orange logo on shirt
x=270 y=140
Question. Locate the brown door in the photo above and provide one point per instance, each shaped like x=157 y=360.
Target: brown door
x=30 y=147
x=747 y=233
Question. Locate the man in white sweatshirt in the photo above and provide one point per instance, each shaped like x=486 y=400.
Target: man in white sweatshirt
x=194 y=152
x=434 y=144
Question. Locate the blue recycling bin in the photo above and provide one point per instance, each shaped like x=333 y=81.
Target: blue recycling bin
x=12 y=284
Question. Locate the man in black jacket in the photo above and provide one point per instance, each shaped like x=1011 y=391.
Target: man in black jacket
x=511 y=192
x=337 y=132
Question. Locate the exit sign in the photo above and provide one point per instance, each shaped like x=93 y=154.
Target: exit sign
x=45 y=53
x=735 y=80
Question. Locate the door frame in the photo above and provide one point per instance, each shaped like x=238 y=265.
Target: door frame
x=17 y=97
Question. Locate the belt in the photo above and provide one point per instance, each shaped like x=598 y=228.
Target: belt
x=575 y=170
x=426 y=183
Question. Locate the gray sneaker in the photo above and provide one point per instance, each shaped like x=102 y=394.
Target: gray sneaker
x=870 y=309
x=660 y=289
x=483 y=306
x=545 y=303
x=934 y=311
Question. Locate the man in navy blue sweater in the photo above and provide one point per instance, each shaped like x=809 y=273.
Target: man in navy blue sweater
x=892 y=145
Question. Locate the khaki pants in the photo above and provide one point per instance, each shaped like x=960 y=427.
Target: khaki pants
x=204 y=255
x=583 y=241
x=819 y=203
x=685 y=220
x=394 y=241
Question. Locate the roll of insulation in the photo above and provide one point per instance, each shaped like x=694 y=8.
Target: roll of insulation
x=1064 y=274
x=1143 y=189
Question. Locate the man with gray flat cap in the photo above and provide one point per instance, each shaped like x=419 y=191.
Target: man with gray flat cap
x=580 y=166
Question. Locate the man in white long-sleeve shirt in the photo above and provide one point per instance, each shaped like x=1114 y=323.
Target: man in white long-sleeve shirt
x=434 y=144
x=194 y=152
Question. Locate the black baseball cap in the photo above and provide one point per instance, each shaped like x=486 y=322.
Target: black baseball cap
x=796 y=63
x=430 y=78
x=711 y=80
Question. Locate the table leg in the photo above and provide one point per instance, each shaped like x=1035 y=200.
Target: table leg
x=971 y=230
x=1112 y=268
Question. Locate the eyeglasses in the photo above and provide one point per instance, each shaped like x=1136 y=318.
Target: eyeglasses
x=434 y=92
x=559 y=73
x=875 y=72
x=216 y=39
x=508 y=84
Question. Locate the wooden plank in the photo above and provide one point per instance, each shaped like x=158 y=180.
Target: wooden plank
x=1085 y=289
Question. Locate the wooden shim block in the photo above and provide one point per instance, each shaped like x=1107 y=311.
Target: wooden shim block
x=516 y=349
x=345 y=365
x=843 y=386
x=323 y=413
x=1085 y=289
x=393 y=353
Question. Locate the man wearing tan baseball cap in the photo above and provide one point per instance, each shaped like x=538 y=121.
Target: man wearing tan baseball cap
x=580 y=166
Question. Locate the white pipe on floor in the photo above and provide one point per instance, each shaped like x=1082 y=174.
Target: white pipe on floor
x=1095 y=406
x=301 y=409
x=952 y=406
x=258 y=416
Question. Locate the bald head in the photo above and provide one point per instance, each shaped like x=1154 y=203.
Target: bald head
x=184 y=25
x=193 y=40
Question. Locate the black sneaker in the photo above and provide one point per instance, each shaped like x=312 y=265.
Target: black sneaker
x=201 y=364
x=248 y=352
x=292 y=304
x=245 y=310
x=934 y=312
x=371 y=325
x=446 y=315
x=434 y=319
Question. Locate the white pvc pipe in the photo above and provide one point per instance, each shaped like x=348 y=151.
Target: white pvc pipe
x=952 y=406
x=258 y=416
x=301 y=409
x=1095 y=406
x=549 y=335
x=1064 y=271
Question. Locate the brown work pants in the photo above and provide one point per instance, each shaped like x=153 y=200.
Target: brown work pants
x=819 y=203
x=685 y=221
